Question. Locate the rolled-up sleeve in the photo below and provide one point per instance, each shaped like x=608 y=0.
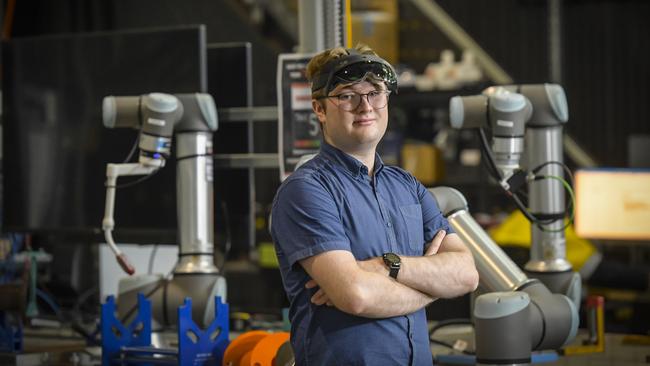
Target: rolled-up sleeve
x=432 y=218
x=305 y=221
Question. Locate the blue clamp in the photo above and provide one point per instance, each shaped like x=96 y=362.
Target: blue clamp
x=198 y=347
x=115 y=335
x=11 y=334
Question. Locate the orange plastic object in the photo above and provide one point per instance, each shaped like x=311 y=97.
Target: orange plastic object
x=265 y=351
x=239 y=350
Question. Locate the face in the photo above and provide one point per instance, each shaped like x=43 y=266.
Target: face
x=356 y=131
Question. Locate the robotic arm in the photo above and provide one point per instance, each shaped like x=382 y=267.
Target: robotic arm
x=191 y=118
x=525 y=124
x=524 y=314
x=155 y=115
x=158 y=116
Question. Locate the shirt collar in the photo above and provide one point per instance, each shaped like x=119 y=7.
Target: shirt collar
x=347 y=162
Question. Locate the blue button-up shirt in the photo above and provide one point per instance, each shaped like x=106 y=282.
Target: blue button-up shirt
x=330 y=203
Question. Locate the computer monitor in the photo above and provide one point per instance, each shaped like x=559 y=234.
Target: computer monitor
x=55 y=147
x=613 y=204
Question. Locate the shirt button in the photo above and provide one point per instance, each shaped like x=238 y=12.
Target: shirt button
x=389 y=224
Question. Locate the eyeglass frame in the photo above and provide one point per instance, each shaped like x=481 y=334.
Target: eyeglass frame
x=361 y=95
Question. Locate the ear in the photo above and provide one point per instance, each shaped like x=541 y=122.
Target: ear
x=319 y=109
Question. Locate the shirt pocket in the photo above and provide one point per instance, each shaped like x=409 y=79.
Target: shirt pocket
x=412 y=216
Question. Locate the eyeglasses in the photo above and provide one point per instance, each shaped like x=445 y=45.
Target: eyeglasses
x=378 y=99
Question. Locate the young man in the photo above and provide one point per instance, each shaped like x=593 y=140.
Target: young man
x=363 y=247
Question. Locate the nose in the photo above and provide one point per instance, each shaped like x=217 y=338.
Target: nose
x=364 y=103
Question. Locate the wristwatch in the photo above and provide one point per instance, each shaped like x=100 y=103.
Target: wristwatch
x=393 y=262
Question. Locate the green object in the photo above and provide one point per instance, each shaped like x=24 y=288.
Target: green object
x=267 y=256
x=32 y=308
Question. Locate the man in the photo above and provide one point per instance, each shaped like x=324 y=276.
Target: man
x=363 y=247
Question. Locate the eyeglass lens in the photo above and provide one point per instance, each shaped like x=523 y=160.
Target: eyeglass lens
x=351 y=101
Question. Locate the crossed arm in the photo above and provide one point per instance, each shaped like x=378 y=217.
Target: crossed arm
x=364 y=288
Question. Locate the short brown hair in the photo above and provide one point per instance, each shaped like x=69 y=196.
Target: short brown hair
x=316 y=64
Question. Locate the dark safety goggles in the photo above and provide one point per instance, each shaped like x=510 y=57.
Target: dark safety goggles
x=354 y=68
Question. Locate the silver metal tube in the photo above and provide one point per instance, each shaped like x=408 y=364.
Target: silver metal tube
x=321 y=25
x=194 y=197
x=311 y=20
x=497 y=272
x=555 y=40
x=548 y=247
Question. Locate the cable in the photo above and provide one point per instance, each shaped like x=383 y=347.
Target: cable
x=564 y=166
x=151 y=257
x=445 y=344
x=161 y=283
x=192 y=156
x=448 y=322
x=514 y=195
x=133 y=149
x=228 y=242
x=137 y=181
x=568 y=188
x=83 y=297
x=485 y=147
x=50 y=302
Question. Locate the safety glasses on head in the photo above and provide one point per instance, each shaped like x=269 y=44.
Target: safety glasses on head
x=353 y=68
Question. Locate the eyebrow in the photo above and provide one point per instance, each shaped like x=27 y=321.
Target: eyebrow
x=348 y=89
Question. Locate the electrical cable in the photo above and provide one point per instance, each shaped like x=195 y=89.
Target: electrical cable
x=571 y=205
x=137 y=181
x=514 y=195
x=133 y=150
x=161 y=283
x=151 y=258
x=445 y=344
x=492 y=167
x=564 y=166
x=448 y=322
x=228 y=242
x=50 y=302
x=83 y=297
x=191 y=156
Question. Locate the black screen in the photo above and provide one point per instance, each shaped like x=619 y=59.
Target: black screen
x=55 y=147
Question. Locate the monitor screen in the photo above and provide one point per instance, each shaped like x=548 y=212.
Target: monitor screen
x=55 y=147
x=613 y=204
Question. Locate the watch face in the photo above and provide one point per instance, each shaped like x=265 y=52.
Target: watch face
x=392 y=258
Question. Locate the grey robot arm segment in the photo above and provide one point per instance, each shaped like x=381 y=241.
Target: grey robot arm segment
x=522 y=311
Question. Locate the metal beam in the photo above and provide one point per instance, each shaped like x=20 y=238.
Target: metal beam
x=456 y=34
x=246 y=160
x=245 y=114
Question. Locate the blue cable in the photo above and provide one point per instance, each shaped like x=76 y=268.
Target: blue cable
x=45 y=297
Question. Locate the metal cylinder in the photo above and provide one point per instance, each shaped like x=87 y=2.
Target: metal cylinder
x=128 y=115
x=502 y=334
x=548 y=249
x=167 y=295
x=553 y=320
x=497 y=272
x=194 y=195
x=468 y=111
x=321 y=25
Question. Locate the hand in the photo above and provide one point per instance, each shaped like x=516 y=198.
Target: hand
x=320 y=297
x=434 y=246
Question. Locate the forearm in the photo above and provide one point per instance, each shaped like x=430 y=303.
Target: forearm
x=354 y=287
x=444 y=275
x=384 y=297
